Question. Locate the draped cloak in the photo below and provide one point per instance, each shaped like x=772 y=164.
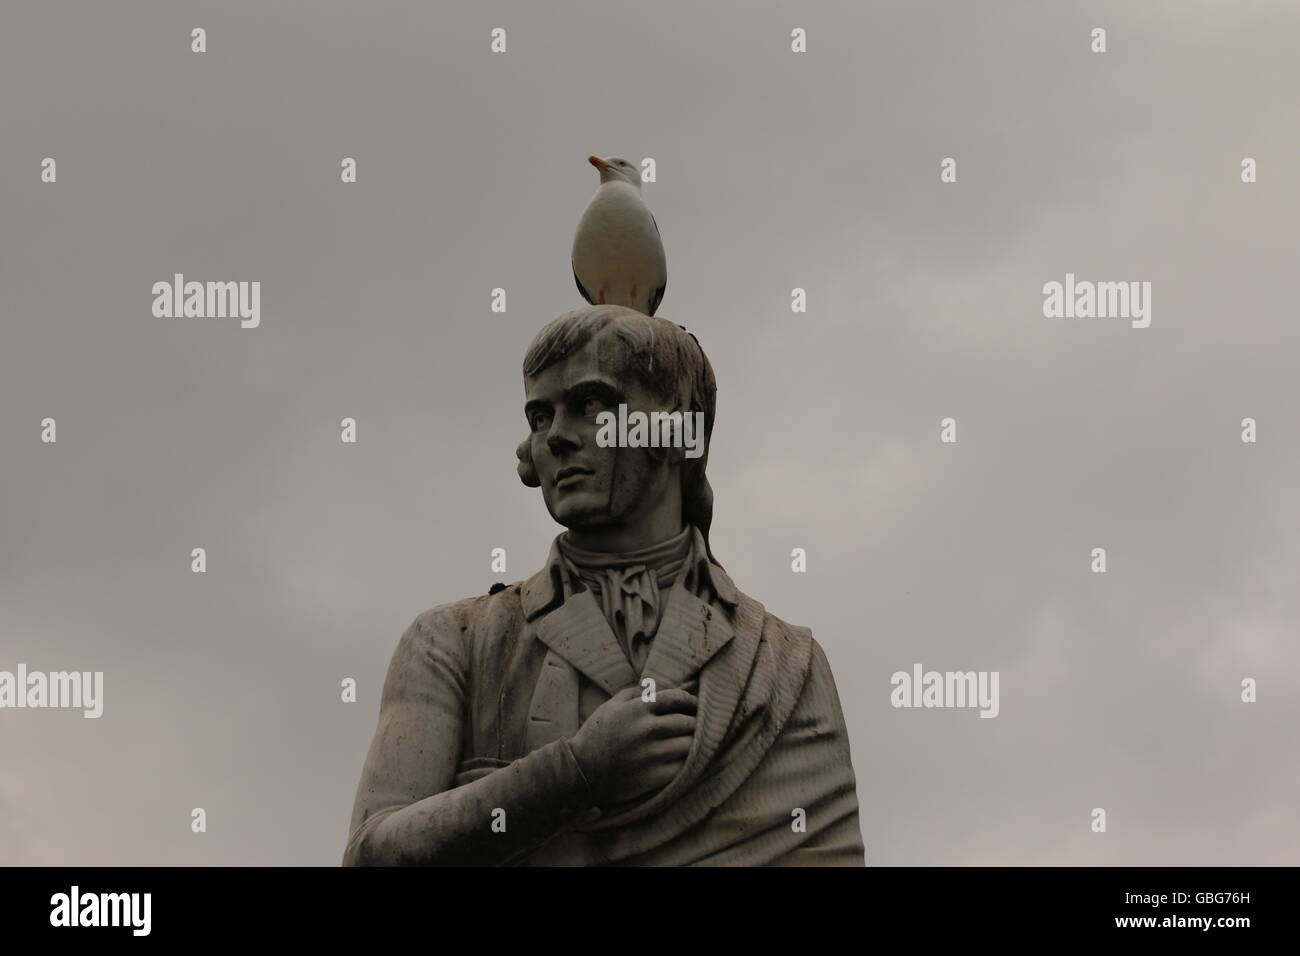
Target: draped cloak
x=470 y=762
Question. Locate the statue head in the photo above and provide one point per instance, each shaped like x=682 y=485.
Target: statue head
x=590 y=361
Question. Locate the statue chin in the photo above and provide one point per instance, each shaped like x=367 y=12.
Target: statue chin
x=577 y=516
x=587 y=521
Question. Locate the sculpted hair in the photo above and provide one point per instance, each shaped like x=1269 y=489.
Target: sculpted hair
x=665 y=358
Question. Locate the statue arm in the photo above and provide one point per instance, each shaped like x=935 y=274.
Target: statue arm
x=405 y=815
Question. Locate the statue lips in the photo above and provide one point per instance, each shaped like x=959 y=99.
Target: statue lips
x=570 y=472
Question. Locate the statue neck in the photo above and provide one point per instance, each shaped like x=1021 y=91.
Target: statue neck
x=626 y=539
x=656 y=556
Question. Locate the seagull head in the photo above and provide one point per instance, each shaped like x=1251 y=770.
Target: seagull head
x=615 y=170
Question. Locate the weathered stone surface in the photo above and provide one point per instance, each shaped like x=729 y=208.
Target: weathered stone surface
x=627 y=704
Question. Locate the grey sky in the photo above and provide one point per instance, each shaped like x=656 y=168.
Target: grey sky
x=775 y=170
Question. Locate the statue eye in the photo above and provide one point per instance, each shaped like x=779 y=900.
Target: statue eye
x=540 y=420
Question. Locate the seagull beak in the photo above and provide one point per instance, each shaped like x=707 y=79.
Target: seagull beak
x=599 y=163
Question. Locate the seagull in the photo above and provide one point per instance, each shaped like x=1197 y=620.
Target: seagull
x=618 y=257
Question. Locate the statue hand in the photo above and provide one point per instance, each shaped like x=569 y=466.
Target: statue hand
x=630 y=747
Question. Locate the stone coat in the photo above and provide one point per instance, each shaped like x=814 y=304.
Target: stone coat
x=470 y=762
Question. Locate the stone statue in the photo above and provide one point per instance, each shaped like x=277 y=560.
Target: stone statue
x=627 y=704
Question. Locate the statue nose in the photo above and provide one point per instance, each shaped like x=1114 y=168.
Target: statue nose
x=558 y=441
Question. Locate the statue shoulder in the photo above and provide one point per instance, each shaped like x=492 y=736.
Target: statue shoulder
x=810 y=652
x=467 y=615
x=776 y=625
x=793 y=644
x=792 y=631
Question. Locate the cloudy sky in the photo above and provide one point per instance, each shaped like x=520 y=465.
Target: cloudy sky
x=775 y=170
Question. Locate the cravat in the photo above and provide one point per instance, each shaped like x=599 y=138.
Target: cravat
x=629 y=588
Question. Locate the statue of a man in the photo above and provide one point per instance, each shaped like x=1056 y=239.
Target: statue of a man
x=627 y=704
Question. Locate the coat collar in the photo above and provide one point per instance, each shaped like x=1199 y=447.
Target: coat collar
x=690 y=632
x=545 y=589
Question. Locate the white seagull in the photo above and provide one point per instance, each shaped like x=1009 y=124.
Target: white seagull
x=618 y=257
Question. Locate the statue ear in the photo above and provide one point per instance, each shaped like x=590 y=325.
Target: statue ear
x=527 y=473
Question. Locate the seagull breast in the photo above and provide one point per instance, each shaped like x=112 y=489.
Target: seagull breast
x=618 y=257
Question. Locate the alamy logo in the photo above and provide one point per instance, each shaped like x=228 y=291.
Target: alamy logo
x=946 y=689
x=655 y=430
x=1100 y=300
x=208 y=300
x=102 y=909
x=84 y=689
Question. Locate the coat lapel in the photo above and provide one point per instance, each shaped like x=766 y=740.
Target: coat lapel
x=578 y=632
x=574 y=628
x=690 y=632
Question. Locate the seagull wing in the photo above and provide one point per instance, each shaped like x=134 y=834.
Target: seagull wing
x=585 y=294
x=657 y=295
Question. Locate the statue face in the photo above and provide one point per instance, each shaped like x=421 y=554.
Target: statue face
x=584 y=485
